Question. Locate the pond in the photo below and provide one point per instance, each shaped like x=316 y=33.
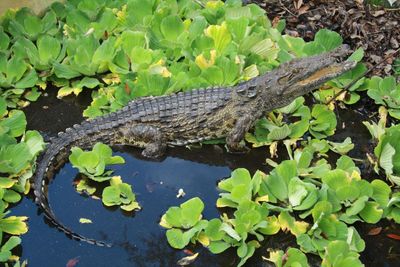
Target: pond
x=138 y=239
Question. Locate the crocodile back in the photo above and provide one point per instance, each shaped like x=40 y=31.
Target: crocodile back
x=191 y=104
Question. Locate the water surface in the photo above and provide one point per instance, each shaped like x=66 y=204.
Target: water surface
x=138 y=239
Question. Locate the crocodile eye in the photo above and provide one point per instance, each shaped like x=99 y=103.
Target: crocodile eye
x=247 y=91
x=296 y=71
x=252 y=91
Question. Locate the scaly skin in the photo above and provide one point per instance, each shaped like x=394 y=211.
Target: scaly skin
x=153 y=123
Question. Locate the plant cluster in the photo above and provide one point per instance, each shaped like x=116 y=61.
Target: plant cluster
x=92 y=164
x=385 y=92
x=306 y=196
x=161 y=47
x=387 y=149
x=18 y=152
x=283 y=124
x=128 y=52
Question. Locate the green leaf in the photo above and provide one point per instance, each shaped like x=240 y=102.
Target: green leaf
x=371 y=212
x=34 y=141
x=230 y=231
x=171 y=27
x=357 y=55
x=64 y=91
x=133 y=205
x=14 y=225
x=338 y=253
x=138 y=10
x=288 y=222
x=11 y=196
x=238 y=176
x=214 y=75
x=104 y=56
x=322 y=208
x=32 y=95
x=14 y=158
x=342 y=148
x=213 y=230
x=297 y=191
x=191 y=212
x=87 y=82
x=187 y=215
x=386 y=158
x=65 y=71
x=324 y=123
x=313 y=48
x=279 y=133
x=15 y=123
x=217 y=247
x=89 y=160
x=15 y=69
x=111 y=196
x=173 y=217
x=276 y=186
x=387 y=83
x=11 y=243
x=276 y=257
x=305 y=243
x=328 y=39
x=347 y=192
x=357 y=206
x=3 y=107
x=4 y=256
x=335 y=179
x=265 y=49
x=238 y=27
x=177 y=239
x=347 y=164
x=130 y=39
x=4 y=40
x=220 y=35
x=49 y=48
x=32 y=26
x=296 y=257
x=381 y=192
x=272 y=227
x=251 y=247
x=6 y=182
x=29 y=80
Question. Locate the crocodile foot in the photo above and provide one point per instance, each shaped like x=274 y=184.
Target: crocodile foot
x=148 y=136
x=154 y=150
x=237 y=148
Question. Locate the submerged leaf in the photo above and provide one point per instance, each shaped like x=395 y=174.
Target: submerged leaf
x=85 y=221
x=187 y=260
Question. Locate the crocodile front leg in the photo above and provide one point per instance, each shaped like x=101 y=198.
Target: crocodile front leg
x=236 y=135
x=147 y=136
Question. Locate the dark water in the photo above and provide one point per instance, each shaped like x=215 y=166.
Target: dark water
x=138 y=239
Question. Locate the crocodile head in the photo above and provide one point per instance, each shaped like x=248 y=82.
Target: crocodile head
x=300 y=76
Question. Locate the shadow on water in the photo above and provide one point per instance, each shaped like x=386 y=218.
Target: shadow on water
x=138 y=239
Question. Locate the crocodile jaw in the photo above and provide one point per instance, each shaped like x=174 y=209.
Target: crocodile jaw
x=310 y=73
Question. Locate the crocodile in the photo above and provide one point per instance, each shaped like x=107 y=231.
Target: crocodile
x=194 y=116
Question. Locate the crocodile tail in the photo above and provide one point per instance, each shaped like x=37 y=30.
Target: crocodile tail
x=57 y=154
